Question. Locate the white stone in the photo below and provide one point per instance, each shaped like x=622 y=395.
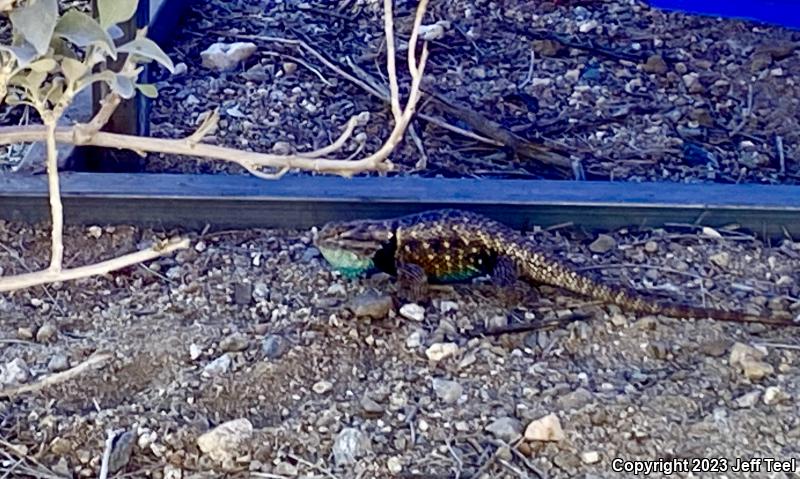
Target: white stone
x=218 y=366
x=774 y=395
x=226 y=56
x=394 y=465
x=590 y=457
x=226 y=441
x=350 y=444
x=412 y=311
x=322 y=387
x=547 y=428
x=439 y=351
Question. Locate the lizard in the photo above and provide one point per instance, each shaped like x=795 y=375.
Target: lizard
x=450 y=245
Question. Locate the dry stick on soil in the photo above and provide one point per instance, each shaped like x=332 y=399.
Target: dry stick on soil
x=57 y=378
x=111 y=434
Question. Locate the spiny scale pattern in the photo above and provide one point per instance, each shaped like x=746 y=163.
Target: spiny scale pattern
x=457 y=245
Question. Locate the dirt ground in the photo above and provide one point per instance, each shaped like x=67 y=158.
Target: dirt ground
x=624 y=91
x=252 y=326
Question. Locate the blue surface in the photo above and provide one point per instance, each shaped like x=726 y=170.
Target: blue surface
x=779 y=12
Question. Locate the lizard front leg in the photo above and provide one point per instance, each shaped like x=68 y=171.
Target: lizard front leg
x=505 y=275
x=412 y=282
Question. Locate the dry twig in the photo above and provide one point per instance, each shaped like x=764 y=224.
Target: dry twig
x=57 y=378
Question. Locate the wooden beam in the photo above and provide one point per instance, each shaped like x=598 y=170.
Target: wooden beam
x=234 y=201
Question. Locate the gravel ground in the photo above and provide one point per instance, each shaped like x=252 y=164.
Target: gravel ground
x=631 y=93
x=251 y=326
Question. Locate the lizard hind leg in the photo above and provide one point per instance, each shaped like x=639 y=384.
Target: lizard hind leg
x=412 y=283
x=505 y=276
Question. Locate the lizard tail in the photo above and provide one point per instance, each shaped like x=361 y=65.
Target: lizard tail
x=540 y=269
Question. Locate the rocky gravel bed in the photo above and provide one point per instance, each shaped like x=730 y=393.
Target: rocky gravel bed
x=626 y=91
x=246 y=356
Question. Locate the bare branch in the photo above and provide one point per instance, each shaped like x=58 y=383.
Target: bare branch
x=394 y=89
x=11 y=283
x=57 y=377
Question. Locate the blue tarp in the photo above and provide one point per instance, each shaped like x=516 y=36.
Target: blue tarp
x=780 y=12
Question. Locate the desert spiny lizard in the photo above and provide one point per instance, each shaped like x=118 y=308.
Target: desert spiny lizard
x=452 y=245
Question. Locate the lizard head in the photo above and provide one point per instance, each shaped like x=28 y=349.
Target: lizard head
x=353 y=247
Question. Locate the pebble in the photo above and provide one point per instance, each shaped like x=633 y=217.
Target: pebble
x=756 y=370
x=394 y=465
x=412 y=311
x=619 y=320
x=603 y=244
x=547 y=428
x=447 y=391
x=721 y=259
x=46 y=333
x=575 y=399
x=741 y=352
x=234 y=343
x=14 y=372
x=414 y=340
x=747 y=400
x=226 y=441
x=651 y=247
x=221 y=365
x=371 y=406
x=655 y=64
x=322 y=387
x=506 y=429
x=226 y=56
x=448 y=306
x=587 y=26
x=58 y=362
x=195 y=351
x=439 y=351
x=274 y=346
x=371 y=305
x=590 y=457
x=349 y=445
x=774 y=395
x=715 y=348
x=121 y=451
x=25 y=334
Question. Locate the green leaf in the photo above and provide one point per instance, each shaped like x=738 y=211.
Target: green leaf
x=144 y=47
x=24 y=53
x=36 y=22
x=43 y=66
x=115 y=11
x=148 y=90
x=123 y=86
x=81 y=29
x=73 y=69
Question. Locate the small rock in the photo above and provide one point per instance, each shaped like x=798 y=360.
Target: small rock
x=619 y=320
x=573 y=75
x=715 y=348
x=547 y=428
x=741 y=352
x=14 y=372
x=603 y=244
x=226 y=441
x=394 y=465
x=221 y=365
x=414 y=340
x=58 y=362
x=322 y=387
x=447 y=391
x=289 y=68
x=412 y=311
x=25 y=334
x=242 y=293
x=651 y=247
x=257 y=74
x=61 y=446
x=774 y=395
x=286 y=469
x=121 y=451
x=587 y=26
x=439 y=351
x=547 y=48
x=195 y=351
x=371 y=305
x=448 y=306
x=575 y=399
x=260 y=291
x=309 y=254
x=370 y=406
x=226 y=56
x=274 y=346
x=756 y=370
x=590 y=457
x=46 y=333
x=350 y=444
x=234 y=343
x=506 y=429
x=721 y=259
x=655 y=64
x=747 y=400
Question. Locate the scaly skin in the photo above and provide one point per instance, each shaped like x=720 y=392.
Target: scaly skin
x=452 y=245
